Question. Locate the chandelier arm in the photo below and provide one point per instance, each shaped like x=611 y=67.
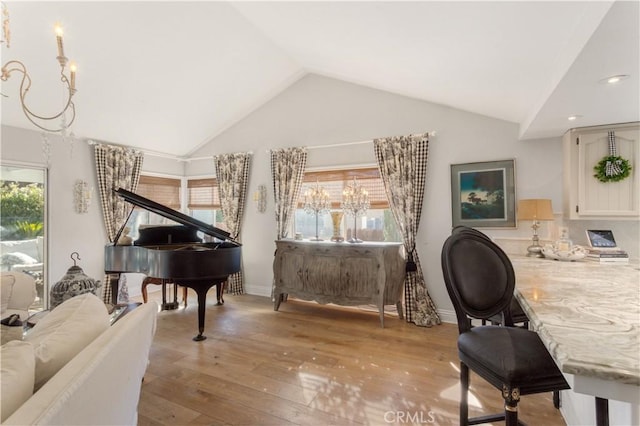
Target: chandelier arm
x=25 y=108
x=25 y=85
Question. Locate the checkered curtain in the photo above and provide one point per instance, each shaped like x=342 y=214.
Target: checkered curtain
x=402 y=162
x=116 y=167
x=287 y=170
x=232 y=173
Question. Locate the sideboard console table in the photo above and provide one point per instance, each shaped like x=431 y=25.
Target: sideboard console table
x=341 y=273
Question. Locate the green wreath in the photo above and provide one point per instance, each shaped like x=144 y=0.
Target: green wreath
x=601 y=169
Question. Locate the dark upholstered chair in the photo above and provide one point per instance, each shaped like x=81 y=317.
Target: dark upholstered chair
x=480 y=282
x=517 y=313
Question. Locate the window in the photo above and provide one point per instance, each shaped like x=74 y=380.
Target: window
x=23 y=225
x=203 y=201
x=165 y=191
x=377 y=224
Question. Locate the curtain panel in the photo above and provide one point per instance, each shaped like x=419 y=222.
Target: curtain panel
x=116 y=167
x=232 y=174
x=287 y=171
x=402 y=162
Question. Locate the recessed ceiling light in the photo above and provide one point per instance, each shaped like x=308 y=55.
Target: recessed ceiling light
x=573 y=117
x=614 y=78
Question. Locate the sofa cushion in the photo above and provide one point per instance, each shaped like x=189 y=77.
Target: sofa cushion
x=30 y=247
x=17 y=374
x=64 y=332
x=17 y=258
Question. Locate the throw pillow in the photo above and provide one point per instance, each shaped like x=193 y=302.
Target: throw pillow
x=17 y=373
x=64 y=332
x=17 y=258
x=6 y=289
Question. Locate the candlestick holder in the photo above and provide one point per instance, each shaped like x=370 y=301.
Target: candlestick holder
x=355 y=202
x=316 y=201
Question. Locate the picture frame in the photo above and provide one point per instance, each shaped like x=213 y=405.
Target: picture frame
x=483 y=194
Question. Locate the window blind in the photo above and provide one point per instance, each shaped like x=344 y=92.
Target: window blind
x=165 y=191
x=335 y=181
x=203 y=194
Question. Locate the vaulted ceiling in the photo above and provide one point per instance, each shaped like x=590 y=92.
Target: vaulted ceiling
x=170 y=76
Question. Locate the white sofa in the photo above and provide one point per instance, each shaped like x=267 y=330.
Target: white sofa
x=100 y=384
x=18 y=292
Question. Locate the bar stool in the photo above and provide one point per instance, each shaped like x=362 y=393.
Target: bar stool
x=480 y=281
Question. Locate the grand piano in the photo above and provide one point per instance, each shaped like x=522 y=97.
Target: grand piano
x=174 y=253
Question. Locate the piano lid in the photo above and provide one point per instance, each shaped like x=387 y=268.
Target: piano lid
x=174 y=215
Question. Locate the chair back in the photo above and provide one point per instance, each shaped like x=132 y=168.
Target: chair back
x=461 y=228
x=479 y=277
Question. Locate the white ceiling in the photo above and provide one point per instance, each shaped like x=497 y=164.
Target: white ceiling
x=169 y=76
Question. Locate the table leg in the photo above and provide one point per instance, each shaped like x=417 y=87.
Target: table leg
x=114 y=280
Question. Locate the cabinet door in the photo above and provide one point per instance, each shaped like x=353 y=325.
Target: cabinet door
x=612 y=199
x=322 y=275
x=360 y=276
x=289 y=268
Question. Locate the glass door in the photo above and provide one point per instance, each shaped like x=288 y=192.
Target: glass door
x=23 y=225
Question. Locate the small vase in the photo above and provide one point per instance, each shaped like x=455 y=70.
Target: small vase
x=336 y=220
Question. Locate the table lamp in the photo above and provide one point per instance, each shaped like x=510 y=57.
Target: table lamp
x=535 y=210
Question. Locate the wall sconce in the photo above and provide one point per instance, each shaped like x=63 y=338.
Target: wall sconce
x=82 y=196
x=260 y=198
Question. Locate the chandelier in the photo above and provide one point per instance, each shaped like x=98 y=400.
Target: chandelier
x=69 y=83
x=355 y=201
x=316 y=200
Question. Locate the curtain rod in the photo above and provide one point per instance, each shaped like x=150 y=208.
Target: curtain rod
x=335 y=145
x=157 y=154
x=144 y=151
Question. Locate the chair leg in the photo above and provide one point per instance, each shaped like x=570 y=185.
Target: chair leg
x=556 y=399
x=511 y=398
x=464 y=389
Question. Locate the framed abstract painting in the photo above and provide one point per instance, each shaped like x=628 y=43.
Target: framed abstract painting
x=484 y=194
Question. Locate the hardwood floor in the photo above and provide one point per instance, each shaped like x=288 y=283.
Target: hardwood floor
x=309 y=364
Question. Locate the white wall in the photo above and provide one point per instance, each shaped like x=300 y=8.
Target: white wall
x=68 y=231
x=314 y=111
x=322 y=111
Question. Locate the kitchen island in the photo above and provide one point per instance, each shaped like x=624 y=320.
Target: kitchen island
x=588 y=316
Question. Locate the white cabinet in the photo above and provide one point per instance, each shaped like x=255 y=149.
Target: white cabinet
x=585 y=197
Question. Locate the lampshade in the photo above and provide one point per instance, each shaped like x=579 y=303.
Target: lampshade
x=535 y=209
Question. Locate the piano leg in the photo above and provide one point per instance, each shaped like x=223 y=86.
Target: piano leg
x=201 y=288
x=220 y=292
x=202 y=307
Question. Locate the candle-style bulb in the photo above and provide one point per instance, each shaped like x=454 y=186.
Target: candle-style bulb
x=58 y=30
x=73 y=68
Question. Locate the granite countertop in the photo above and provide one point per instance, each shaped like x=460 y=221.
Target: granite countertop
x=586 y=313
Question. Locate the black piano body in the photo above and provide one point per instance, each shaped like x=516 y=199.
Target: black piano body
x=175 y=253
